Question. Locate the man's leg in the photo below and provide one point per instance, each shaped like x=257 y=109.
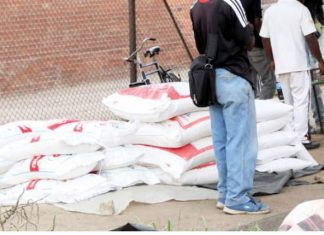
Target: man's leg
x=300 y=85
x=266 y=78
x=218 y=131
x=320 y=105
x=236 y=99
x=296 y=91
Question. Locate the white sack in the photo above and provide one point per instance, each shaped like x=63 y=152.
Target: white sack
x=283 y=164
x=117 y=157
x=63 y=142
x=151 y=103
x=3 y=184
x=5 y=165
x=79 y=189
x=16 y=131
x=177 y=161
x=33 y=191
x=303 y=154
x=267 y=110
x=173 y=133
x=306 y=216
x=268 y=127
x=203 y=174
x=278 y=138
x=268 y=155
x=129 y=176
x=114 y=132
x=57 y=167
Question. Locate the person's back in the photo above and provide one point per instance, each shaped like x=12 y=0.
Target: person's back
x=218 y=17
x=287 y=35
x=287 y=32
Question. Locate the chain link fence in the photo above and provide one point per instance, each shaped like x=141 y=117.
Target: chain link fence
x=59 y=59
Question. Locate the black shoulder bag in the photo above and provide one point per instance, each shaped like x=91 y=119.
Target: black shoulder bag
x=202 y=76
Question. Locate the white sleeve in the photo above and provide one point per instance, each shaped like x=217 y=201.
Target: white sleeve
x=264 y=31
x=307 y=23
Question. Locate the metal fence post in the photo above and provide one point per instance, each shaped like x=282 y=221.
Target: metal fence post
x=132 y=37
x=178 y=29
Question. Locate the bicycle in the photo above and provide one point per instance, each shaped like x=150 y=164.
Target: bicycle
x=164 y=75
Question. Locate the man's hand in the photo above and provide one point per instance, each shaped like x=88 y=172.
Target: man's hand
x=251 y=27
x=273 y=66
x=321 y=67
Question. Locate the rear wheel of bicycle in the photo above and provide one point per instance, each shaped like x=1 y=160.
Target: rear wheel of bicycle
x=171 y=77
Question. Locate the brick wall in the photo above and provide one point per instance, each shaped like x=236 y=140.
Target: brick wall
x=59 y=58
x=48 y=42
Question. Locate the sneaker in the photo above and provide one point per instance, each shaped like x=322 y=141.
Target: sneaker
x=308 y=144
x=252 y=207
x=220 y=203
x=311 y=145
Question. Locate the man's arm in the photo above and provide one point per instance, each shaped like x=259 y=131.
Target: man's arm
x=308 y=29
x=243 y=33
x=268 y=50
x=198 y=41
x=257 y=15
x=315 y=50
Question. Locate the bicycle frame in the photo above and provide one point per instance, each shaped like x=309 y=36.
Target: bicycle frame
x=163 y=74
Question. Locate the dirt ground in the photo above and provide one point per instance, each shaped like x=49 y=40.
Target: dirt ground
x=188 y=216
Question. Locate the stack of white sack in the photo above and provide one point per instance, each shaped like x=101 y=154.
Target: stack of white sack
x=53 y=161
x=280 y=149
x=175 y=135
x=166 y=139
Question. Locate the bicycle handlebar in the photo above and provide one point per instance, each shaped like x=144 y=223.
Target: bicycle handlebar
x=128 y=59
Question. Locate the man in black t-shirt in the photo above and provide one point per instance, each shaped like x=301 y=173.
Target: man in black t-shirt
x=233 y=119
x=266 y=79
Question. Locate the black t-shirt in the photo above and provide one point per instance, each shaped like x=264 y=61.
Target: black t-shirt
x=253 y=10
x=226 y=19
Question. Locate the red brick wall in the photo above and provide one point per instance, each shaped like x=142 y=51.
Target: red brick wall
x=46 y=43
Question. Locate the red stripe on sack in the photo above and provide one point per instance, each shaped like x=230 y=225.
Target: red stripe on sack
x=25 y=129
x=205 y=165
x=33 y=166
x=78 y=127
x=59 y=124
x=190 y=124
x=32 y=184
x=153 y=92
x=56 y=155
x=186 y=152
x=35 y=139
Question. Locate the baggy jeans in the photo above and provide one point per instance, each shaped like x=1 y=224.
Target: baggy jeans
x=233 y=124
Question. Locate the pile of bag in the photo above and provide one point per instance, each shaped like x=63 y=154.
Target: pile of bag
x=280 y=148
x=57 y=160
x=164 y=139
x=171 y=129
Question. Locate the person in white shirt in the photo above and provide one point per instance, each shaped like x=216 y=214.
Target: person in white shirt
x=287 y=31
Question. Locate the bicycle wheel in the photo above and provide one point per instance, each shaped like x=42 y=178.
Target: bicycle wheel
x=171 y=77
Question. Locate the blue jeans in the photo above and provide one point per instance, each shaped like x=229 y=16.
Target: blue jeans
x=233 y=124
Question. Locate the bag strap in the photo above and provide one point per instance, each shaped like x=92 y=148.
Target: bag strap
x=211 y=47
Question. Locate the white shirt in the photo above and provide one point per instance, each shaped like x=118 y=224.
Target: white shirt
x=286 y=23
